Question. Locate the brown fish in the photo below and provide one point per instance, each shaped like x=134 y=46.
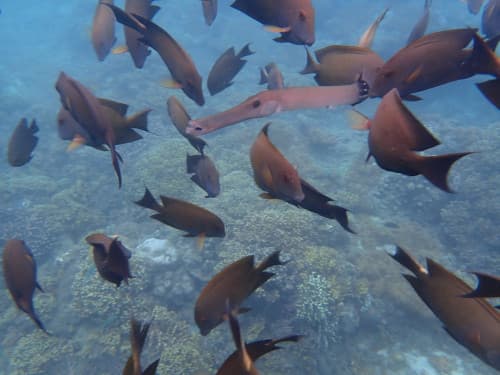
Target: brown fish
x=22 y=142
x=110 y=258
x=138 y=333
x=180 y=118
x=395 y=136
x=490 y=20
x=420 y=27
x=185 y=216
x=474 y=5
x=491 y=90
x=234 y=283
x=205 y=174
x=271 y=75
x=294 y=19
x=366 y=39
x=137 y=49
x=488 y=286
x=19 y=271
x=209 y=10
x=179 y=63
x=268 y=102
x=87 y=111
x=225 y=69
x=103 y=30
x=473 y=323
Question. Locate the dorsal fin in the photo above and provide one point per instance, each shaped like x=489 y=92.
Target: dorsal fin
x=121 y=108
x=435 y=269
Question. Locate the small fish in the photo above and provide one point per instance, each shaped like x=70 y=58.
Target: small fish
x=110 y=258
x=225 y=69
x=180 y=119
x=474 y=5
x=366 y=39
x=22 y=142
x=103 y=30
x=205 y=174
x=420 y=27
x=19 y=271
x=209 y=10
x=473 y=323
x=235 y=282
x=488 y=286
x=271 y=75
x=490 y=20
x=138 y=333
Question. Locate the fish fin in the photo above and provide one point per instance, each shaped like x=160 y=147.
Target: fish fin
x=125 y=18
x=139 y=120
x=77 y=142
x=138 y=333
x=268 y=196
x=153 y=9
x=148 y=201
x=245 y=51
x=118 y=50
x=37 y=285
x=413 y=75
x=436 y=168
x=406 y=260
x=271 y=260
x=197 y=181
x=33 y=126
x=121 y=108
x=435 y=269
x=151 y=369
x=358 y=120
x=311 y=65
x=482 y=59
x=243 y=310
x=200 y=242
x=263 y=76
x=487 y=286
x=277 y=29
x=368 y=156
x=412 y=98
x=115 y=160
x=493 y=42
x=491 y=90
x=171 y=84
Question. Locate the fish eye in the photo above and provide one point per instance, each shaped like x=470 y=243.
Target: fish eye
x=256 y=103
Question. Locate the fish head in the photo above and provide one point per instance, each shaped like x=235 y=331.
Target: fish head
x=384 y=81
x=192 y=88
x=301 y=24
x=288 y=183
x=217 y=229
x=206 y=322
x=261 y=105
x=212 y=184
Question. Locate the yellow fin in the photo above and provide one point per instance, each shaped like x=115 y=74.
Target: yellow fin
x=413 y=75
x=277 y=29
x=358 y=121
x=171 y=84
x=266 y=196
x=201 y=241
x=77 y=141
x=118 y=50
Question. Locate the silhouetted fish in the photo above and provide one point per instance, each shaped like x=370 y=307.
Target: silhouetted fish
x=294 y=19
x=180 y=118
x=490 y=20
x=225 y=69
x=271 y=75
x=420 y=27
x=138 y=333
x=234 y=283
x=473 y=323
x=178 y=62
x=488 y=286
x=103 y=30
x=19 y=271
x=366 y=39
x=205 y=175
x=22 y=142
x=209 y=10
x=110 y=257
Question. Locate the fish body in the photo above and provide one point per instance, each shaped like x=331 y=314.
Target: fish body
x=234 y=284
x=19 y=270
x=294 y=18
x=22 y=142
x=490 y=20
x=271 y=75
x=103 y=30
x=473 y=323
x=420 y=27
x=225 y=69
x=205 y=174
x=209 y=8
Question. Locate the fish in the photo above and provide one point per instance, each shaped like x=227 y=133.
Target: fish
x=342 y=65
x=294 y=19
x=488 y=286
x=491 y=90
x=86 y=110
x=209 y=8
x=225 y=68
x=22 y=142
x=474 y=5
x=268 y=102
x=111 y=258
x=490 y=19
x=473 y=323
x=255 y=350
x=138 y=333
x=180 y=119
x=433 y=60
x=190 y=218
x=366 y=39
x=234 y=283
x=420 y=27
x=103 y=30
x=19 y=271
x=137 y=49
x=271 y=75
x=280 y=180
x=184 y=73
x=395 y=135
x=205 y=174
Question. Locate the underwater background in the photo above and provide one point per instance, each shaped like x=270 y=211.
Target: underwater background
x=340 y=290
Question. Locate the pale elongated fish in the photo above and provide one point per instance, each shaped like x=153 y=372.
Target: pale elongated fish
x=420 y=27
x=103 y=30
x=366 y=39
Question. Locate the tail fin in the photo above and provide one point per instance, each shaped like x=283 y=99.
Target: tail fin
x=148 y=201
x=263 y=76
x=151 y=369
x=245 y=51
x=488 y=286
x=139 y=120
x=406 y=260
x=340 y=214
x=436 y=168
x=271 y=260
x=115 y=159
x=311 y=65
x=483 y=60
x=491 y=90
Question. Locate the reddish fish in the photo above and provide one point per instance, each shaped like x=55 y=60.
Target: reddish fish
x=103 y=30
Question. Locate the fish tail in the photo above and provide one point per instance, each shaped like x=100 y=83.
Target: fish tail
x=491 y=90
x=291 y=338
x=271 y=260
x=340 y=214
x=139 y=120
x=148 y=201
x=138 y=333
x=483 y=59
x=311 y=65
x=151 y=369
x=406 y=260
x=436 y=168
x=245 y=51
x=115 y=159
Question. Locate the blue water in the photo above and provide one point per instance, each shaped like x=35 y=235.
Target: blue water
x=341 y=290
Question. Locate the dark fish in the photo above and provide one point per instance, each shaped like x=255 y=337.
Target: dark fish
x=473 y=323
x=234 y=283
x=209 y=10
x=490 y=20
x=180 y=118
x=366 y=39
x=138 y=333
x=420 y=27
x=225 y=69
x=255 y=350
x=103 y=30
x=22 y=142
x=294 y=19
x=137 y=49
x=491 y=90
x=474 y=6
x=205 y=174
x=488 y=286
x=271 y=75
x=87 y=111
x=395 y=136
x=433 y=60
x=110 y=257
x=19 y=271
x=178 y=62
x=185 y=216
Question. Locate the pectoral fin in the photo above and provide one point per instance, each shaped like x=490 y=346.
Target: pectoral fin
x=277 y=29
